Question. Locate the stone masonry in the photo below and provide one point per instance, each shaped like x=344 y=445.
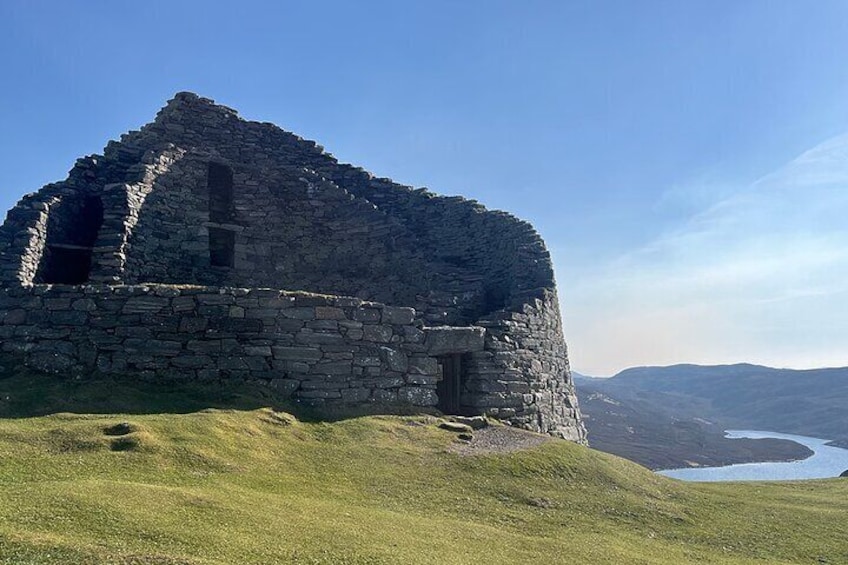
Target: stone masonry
x=166 y=257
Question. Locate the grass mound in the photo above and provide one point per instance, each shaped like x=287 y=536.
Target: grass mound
x=256 y=485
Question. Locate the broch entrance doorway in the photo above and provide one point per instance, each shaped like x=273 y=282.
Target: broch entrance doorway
x=449 y=388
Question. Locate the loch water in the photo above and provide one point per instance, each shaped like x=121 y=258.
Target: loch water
x=825 y=462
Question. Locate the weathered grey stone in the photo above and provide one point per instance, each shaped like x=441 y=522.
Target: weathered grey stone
x=68 y=318
x=377 y=333
x=258 y=313
x=355 y=395
x=367 y=315
x=297 y=353
x=333 y=368
x=50 y=362
x=418 y=396
x=383 y=382
x=299 y=313
x=296 y=219
x=276 y=302
x=285 y=386
x=204 y=345
x=323 y=325
x=411 y=334
x=474 y=422
x=145 y=305
x=235 y=325
x=318 y=393
x=193 y=361
x=257 y=350
x=57 y=303
x=183 y=304
x=317 y=338
x=316 y=382
x=15 y=317
x=215 y=299
x=291 y=367
x=456 y=427
x=430 y=380
x=423 y=366
x=399 y=316
x=160 y=347
x=329 y=313
x=394 y=359
x=231 y=363
x=257 y=363
x=56 y=346
x=84 y=304
x=386 y=396
x=288 y=325
x=191 y=324
x=367 y=361
x=443 y=340
x=354 y=334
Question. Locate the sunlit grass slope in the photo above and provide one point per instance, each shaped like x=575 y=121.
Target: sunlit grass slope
x=255 y=485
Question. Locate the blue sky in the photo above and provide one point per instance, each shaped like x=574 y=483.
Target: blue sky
x=686 y=162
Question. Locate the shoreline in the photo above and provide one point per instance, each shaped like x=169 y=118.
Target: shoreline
x=826 y=461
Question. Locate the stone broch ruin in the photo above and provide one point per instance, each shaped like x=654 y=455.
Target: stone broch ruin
x=208 y=247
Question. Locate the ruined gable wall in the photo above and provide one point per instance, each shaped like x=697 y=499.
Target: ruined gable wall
x=473 y=260
x=475 y=265
x=291 y=229
x=469 y=246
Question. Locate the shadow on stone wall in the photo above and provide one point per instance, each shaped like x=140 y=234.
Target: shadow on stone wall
x=25 y=393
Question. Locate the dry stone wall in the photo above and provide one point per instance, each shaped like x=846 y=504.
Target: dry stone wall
x=518 y=376
x=201 y=197
x=317 y=349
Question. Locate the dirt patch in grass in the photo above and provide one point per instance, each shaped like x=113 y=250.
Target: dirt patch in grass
x=499 y=439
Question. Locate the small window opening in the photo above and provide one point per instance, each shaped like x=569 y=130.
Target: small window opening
x=449 y=388
x=222 y=243
x=220 y=183
x=71 y=234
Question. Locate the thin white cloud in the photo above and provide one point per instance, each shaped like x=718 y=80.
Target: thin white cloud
x=761 y=276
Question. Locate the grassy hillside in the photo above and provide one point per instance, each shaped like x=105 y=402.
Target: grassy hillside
x=178 y=485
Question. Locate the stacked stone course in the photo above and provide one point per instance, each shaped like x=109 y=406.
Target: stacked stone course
x=314 y=348
x=179 y=278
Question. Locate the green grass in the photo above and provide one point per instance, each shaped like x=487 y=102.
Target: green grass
x=187 y=485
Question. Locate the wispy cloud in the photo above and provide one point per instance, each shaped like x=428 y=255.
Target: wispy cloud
x=760 y=275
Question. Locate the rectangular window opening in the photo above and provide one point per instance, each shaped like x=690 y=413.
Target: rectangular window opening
x=72 y=231
x=222 y=243
x=220 y=182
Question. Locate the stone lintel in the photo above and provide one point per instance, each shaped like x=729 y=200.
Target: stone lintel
x=442 y=340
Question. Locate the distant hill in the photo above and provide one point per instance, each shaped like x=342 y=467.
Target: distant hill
x=663 y=430
x=808 y=402
x=674 y=416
